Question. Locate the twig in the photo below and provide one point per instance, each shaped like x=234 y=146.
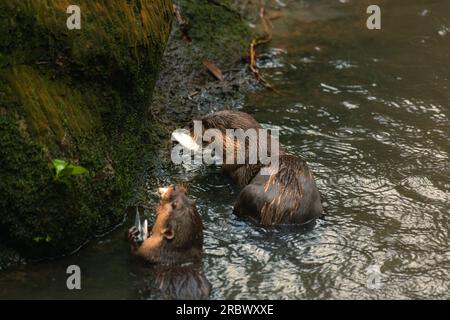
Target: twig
x=182 y=22
x=265 y=38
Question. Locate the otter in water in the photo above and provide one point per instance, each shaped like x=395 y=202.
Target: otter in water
x=174 y=247
x=287 y=196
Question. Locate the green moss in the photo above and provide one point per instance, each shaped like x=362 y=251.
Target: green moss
x=82 y=96
x=108 y=28
x=52 y=106
x=213 y=28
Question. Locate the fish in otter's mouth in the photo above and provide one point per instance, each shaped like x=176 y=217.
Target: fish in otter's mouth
x=185 y=139
x=141 y=227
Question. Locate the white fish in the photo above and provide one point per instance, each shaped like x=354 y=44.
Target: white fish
x=145 y=230
x=183 y=137
x=142 y=228
x=137 y=221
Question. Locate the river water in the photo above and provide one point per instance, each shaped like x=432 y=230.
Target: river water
x=369 y=110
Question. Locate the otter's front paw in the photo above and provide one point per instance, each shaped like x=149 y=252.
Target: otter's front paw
x=133 y=237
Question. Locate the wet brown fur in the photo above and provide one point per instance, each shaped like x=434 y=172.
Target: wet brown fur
x=287 y=197
x=174 y=247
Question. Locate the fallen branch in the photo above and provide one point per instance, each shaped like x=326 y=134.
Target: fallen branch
x=265 y=38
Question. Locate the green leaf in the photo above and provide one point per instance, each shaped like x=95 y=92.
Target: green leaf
x=59 y=166
x=40 y=238
x=66 y=172
x=63 y=171
x=77 y=169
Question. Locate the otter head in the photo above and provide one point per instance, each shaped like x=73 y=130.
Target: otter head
x=177 y=235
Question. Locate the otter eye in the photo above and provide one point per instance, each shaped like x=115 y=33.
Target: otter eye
x=174 y=205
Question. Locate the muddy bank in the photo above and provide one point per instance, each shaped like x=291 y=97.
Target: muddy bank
x=216 y=33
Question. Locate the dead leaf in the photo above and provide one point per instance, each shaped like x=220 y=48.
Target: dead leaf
x=215 y=71
x=274 y=15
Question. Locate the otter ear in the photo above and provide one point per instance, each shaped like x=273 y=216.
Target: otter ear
x=168 y=233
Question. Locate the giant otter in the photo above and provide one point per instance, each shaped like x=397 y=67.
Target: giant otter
x=174 y=247
x=288 y=196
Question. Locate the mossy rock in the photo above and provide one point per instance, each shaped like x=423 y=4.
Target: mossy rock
x=78 y=95
x=217 y=29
